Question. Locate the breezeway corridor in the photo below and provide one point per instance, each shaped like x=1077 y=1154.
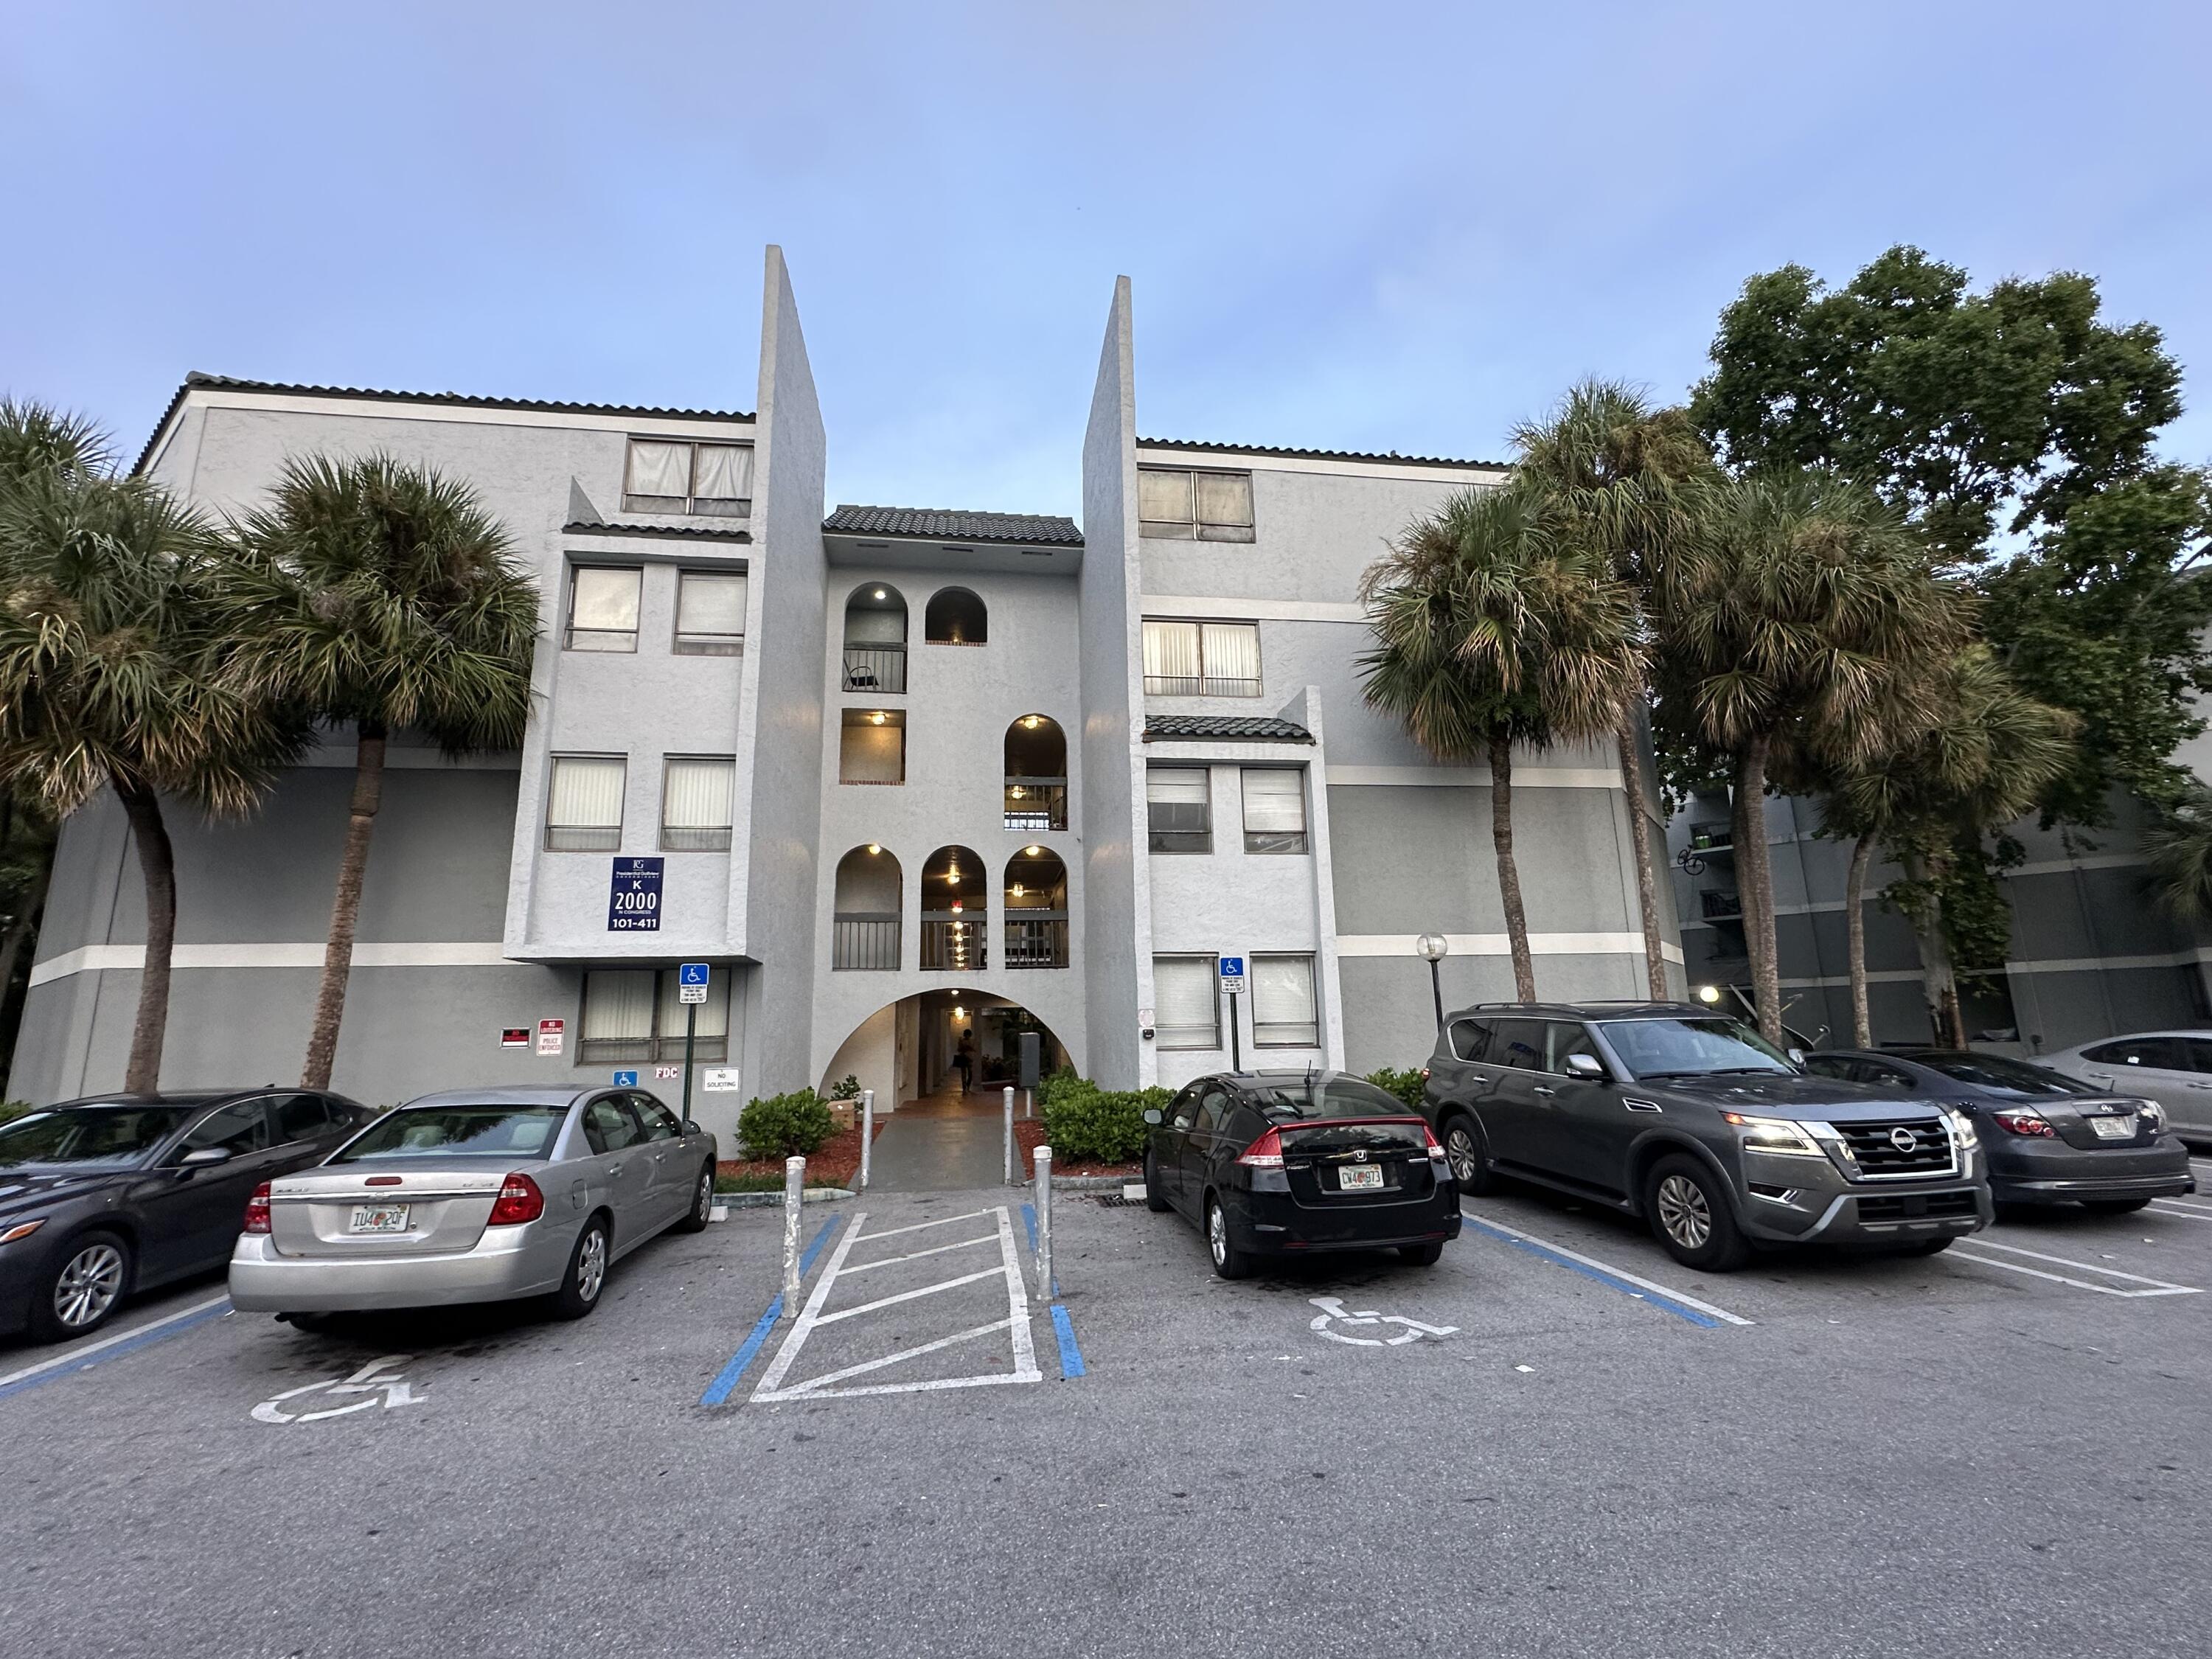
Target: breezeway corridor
x=943 y=1142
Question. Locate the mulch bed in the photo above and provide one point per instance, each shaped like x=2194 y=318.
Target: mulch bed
x=1029 y=1135
x=836 y=1164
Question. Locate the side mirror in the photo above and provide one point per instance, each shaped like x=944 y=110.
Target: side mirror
x=1796 y=1056
x=204 y=1157
x=1153 y=1117
x=1586 y=1068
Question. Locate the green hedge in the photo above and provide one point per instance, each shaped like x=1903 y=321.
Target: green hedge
x=785 y=1126
x=15 y=1109
x=1407 y=1086
x=1085 y=1124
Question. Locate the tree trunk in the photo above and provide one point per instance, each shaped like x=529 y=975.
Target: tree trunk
x=1647 y=880
x=1855 y=907
x=338 y=954
x=1755 y=884
x=1509 y=872
x=157 y=863
x=1939 y=978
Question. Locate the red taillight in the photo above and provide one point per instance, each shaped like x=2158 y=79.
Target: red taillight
x=2025 y=1121
x=257 y=1210
x=1424 y=1074
x=1264 y=1153
x=1436 y=1146
x=518 y=1201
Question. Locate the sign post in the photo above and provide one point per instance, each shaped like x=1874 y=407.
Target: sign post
x=1232 y=981
x=691 y=987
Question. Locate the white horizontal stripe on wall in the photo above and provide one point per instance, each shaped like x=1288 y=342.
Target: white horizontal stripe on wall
x=95 y=959
x=2049 y=965
x=1497 y=945
x=1461 y=777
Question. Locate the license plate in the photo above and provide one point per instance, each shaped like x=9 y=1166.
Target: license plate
x=1359 y=1177
x=2115 y=1128
x=378 y=1219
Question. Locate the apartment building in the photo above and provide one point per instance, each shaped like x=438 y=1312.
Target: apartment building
x=900 y=775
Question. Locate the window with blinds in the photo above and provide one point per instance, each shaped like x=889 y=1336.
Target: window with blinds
x=710 y=613
x=1174 y=504
x=1179 y=805
x=1274 y=808
x=695 y=795
x=584 y=804
x=1285 y=1014
x=603 y=608
x=664 y=476
x=1186 y=1007
x=1201 y=659
x=638 y=1015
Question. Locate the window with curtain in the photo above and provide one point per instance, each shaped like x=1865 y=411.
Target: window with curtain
x=617 y=1018
x=1179 y=808
x=710 y=612
x=584 y=805
x=1175 y=504
x=1274 y=808
x=669 y=475
x=1284 y=1012
x=603 y=608
x=1187 y=1007
x=694 y=803
x=1201 y=659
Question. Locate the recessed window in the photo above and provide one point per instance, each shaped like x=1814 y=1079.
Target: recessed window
x=1179 y=808
x=954 y=615
x=1187 y=1007
x=637 y=1014
x=1178 y=505
x=1201 y=659
x=1284 y=1012
x=583 y=806
x=694 y=803
x=665 y=476
x=1274 y=808
x=872 y=746
x=603 y=608
x=710 y=613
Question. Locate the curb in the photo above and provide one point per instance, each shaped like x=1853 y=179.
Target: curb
x=1093 y=1184
x=775 y=1200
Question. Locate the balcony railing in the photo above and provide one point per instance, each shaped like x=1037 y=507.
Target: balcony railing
x=1717 y=904
x=1036 y=938
x=954 y=945
x=1036 y=804
x=875 y=668
x=865 y=939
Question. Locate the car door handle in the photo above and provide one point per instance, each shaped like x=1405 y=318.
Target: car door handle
x=2200 y=1086
x=614 y=1169
x=1540 y=1090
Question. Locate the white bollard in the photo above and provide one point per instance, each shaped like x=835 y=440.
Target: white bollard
x=1044 y=1201
x=1029 y=1103
x=867 y=1132
x=1013 y=1171
x=794 y=1196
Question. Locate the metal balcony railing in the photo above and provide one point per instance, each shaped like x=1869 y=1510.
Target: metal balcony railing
x=954 y=945
x=1036 y=804
x=865 y=939
x=876 y=668
x=1716 y=904
x=1036 y=938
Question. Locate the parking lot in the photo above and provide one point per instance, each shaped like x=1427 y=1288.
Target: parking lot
x=1554 y=1441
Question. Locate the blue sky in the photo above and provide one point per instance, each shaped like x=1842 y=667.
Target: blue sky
x=1389 y=228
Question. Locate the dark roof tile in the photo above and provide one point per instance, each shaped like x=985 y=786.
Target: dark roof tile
x=1198 y=447
x=1246 y=728
x=947 y=525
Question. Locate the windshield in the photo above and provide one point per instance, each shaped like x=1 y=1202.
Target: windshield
x=2001 y=1075
x=1322 y=1095
x=510 y=1132
x=88 y=1134
x=1691 y=1047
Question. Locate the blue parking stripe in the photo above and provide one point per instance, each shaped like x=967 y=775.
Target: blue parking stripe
x=161 y=1331
x=725 y=1380
x=1656 y=1298
x=1063 y=1330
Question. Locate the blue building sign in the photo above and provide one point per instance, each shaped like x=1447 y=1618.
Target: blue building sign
x=634 y=903
x=625 y=1079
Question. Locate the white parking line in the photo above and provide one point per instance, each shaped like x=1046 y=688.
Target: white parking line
x=2153 y=1286
x=84 y=1353
x=1606 y=1271
x=2175 y=1208
x=903 y=1296
x=920 y=1226
x=917 y=1255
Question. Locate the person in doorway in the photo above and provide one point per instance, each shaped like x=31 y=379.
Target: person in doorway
x=964 y=1059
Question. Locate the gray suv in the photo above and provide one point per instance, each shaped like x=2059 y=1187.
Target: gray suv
x=1688 y=1118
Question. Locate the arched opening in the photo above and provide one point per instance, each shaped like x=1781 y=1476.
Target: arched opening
x=955 y=927
x=875 y=638
x=956 y=616
x=1037 y=909
x=1036 y=775
x=864 y=925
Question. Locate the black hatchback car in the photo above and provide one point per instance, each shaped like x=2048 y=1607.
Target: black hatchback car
x=102 y=1197
x=2051 y=1139
x=1276 y=1163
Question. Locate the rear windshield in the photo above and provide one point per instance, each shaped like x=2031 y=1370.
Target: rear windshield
x=89 y=1134
x=1323 y=1095
x=459 y=1132
x=2003 y=1074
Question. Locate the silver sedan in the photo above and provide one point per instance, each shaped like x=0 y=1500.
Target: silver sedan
x=478 y=1195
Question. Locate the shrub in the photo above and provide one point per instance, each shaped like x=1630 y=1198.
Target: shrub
x=1053 y=1084
x=1085 y=1124
x=1407 y=1086
x=10 y=1109
x=785 y=1126
x=846 y=1088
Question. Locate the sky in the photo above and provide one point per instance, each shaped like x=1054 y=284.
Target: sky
x=1388 y=228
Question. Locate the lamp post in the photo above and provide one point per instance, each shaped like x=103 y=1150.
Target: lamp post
x=1432 y=949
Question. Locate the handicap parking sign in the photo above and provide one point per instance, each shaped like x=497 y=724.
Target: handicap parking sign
x=625 y=1079
x=1232 y=973
x=691 y=982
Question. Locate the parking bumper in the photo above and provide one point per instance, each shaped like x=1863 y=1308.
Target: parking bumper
x=508 y=1263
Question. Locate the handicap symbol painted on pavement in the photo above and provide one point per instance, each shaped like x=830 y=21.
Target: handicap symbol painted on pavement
x=369 y=1382
x=1332 y=1313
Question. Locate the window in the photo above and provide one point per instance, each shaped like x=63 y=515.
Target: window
x=237 y=1129
x=2159 y=1053
x=300 y=1117
x=609 y=1125
x=637 y=1014
x=1201 y=659
x=710 y=613
x=1188 y=1011
x=683 y=477
x=1565 y=1038
x=603 y=609
x=584 y=808
x=1207 y=507
x=694 y=803
x=955 y=616
x=1274 y=808
x=1283 y=1011
x=1470 y=1039
x=657 y=1122
x=1179 y=805
x=872 y=746
x=517 y=1132
x=1518 y=1044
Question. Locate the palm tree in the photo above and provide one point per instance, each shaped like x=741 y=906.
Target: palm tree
x=1489 y=632
x=107 y=632
x=2178 y=849
x=377 y=595
x=1797 y=627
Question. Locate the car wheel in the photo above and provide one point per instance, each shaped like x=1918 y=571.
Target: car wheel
x=1230 y=1262
x=1463 y=1152
x=1691 y=1218
x=1423 y=1255
x=703 y=1202
x=83 y=1289
x=2113 y=1205
x=587 y=1273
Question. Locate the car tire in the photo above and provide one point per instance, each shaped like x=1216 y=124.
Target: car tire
x=2113 y=1205
x=1423 y=1255
x=1463 y=1156
x=703 y=1202
x=81 y=1291
x=1229 y=1259
x=587 y=1278
x=1690 y=1216
x=1155 y=1199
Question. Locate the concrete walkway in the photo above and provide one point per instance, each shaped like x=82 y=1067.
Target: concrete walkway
x=942 y=1142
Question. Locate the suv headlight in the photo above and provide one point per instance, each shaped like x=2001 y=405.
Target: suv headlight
x=1771 y=1134
x=1962 y=1129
